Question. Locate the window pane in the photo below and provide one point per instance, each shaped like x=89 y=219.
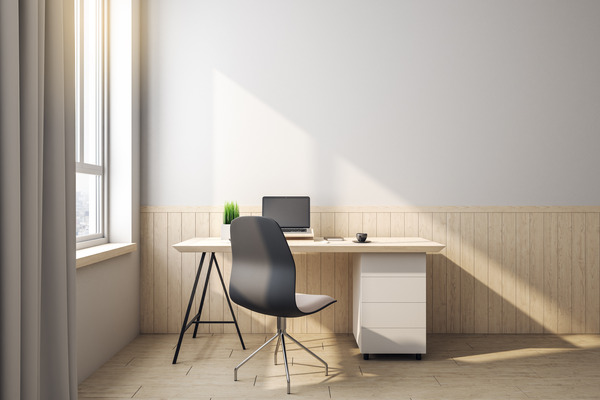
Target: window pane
x=88 y=204
x=92 y=81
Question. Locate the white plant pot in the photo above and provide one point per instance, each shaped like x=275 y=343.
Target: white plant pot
x=225 y=231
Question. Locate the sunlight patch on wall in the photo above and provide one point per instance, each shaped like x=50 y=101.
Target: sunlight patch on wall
x=258 y=151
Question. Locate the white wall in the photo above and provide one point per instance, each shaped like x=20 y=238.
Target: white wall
x=424 y=102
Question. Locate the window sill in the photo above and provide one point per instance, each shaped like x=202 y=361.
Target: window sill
x=96 y=254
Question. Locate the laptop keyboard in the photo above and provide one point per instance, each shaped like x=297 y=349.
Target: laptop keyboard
x=288 y=230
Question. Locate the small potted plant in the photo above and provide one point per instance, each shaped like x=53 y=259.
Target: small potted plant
x=230 y=212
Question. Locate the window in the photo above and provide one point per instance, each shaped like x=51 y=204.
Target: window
x=90 y=119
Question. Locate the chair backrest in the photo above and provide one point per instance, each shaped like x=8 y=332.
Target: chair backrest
x=263 y=273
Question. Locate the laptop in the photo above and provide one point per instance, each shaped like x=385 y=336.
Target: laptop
x=292 y=213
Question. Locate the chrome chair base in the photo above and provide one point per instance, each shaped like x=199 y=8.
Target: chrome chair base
x=280 y=335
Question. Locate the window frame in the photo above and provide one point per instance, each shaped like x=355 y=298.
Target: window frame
x=102 y=108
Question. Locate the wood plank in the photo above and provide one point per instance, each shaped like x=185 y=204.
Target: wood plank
x=397 y=224
x=229 y=328
x=522 y=271
x=354 y=224
x=578 y=273
x=452 y=267
x=215 y=221
x=564 y=272
x=341 y=308
x=146 y=273
x=174 y=317
x=467 y=281
x=536 y=272
x=370 y=223
x=439 y=298
x=202 y=230
x=550 y=273
x=411 y=224
x=299 y=324
x=315 y=223
x=160 y=272
x=426 y=232
x=509 y=262
x=313 y=286
x=328 y=288
x=480 y=271
x=592 y=269
x=327 y=224
x=495 y=273
x=341 y=224
x=383 y=224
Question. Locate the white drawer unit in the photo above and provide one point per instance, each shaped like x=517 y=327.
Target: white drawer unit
x=389 y=303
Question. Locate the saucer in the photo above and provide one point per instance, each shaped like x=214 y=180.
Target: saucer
x=366 y=241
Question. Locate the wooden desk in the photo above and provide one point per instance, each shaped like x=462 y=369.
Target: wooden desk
x=389 y=284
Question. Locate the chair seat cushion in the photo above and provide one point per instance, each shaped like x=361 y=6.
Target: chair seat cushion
x=311 y=303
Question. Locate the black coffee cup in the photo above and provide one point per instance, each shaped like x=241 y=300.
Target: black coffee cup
x=361 y=237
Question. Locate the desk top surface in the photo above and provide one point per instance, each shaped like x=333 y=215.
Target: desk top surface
x=318 y=245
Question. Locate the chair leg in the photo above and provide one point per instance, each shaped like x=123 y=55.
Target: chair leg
x=313 y=354
x=252 y=355
x=276 y=350
x=285 y=362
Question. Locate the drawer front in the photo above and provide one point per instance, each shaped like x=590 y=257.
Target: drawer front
x=394 y=315
x=390 y=289
x=393 y=341
x=392 y=264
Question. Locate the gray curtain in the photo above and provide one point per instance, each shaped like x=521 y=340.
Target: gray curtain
x=37 y=200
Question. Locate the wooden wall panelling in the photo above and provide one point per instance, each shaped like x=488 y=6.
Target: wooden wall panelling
x=550 y=273
x=509 y=260
x=315 y=223
x=426 y=231
x=202 y=230
x=578 y=273
x=342 y=308
x=369 y=222
x=299 y=324
x=411 y=224
x=536 y=272
x=522 y=273
x=592 y=273
x=397 y=224
x=495 y=273
x=480 y=272
x=521 y=270
x=160 y=272
x=146 y=273
x=228 y=328
x=354 y=224
x=328 y=288
x=452 y=271
x=564 y=245
x=174 y=317
x=439 y=284
x=313 y=286
x=383 y=224
x=467 y=280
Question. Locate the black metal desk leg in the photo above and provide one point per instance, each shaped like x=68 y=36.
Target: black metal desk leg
x=189 y=308
x=230 y=307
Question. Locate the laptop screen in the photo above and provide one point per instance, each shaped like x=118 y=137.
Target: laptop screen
x=288 y=211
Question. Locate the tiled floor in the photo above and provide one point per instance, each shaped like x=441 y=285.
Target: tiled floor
x=455 y=367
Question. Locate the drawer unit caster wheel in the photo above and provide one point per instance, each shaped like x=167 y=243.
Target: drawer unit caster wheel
x=365 y=356
x=418 y=356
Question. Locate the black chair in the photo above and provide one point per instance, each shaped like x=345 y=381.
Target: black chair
x=263 y=279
